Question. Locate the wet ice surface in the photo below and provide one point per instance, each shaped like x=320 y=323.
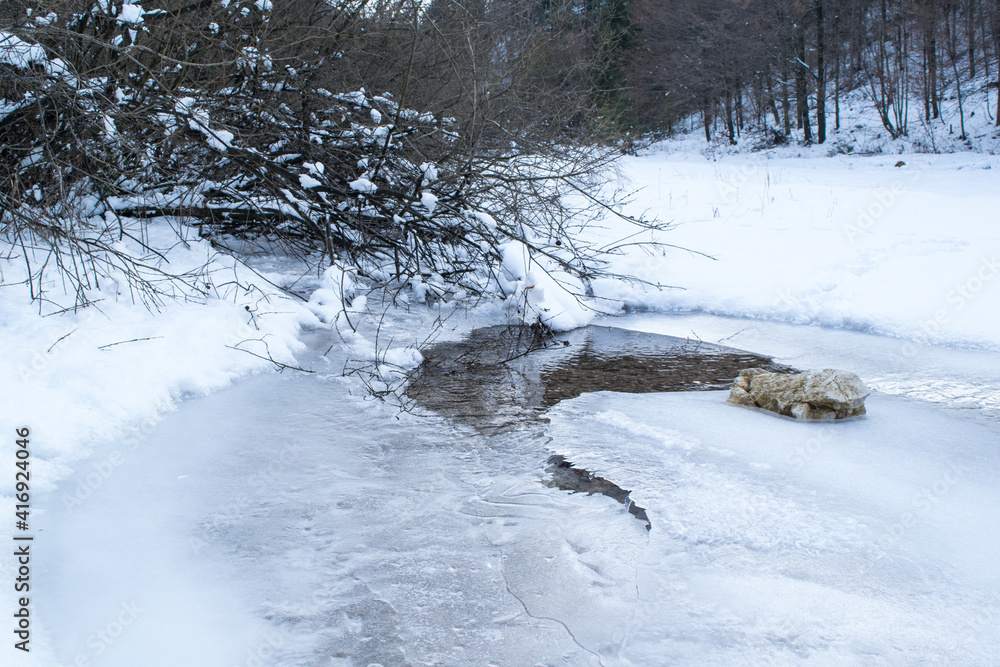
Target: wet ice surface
x=865 y=542
x=286 y=521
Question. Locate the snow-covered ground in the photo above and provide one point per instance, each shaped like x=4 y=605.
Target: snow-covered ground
x=286 y=520
x=911 y=252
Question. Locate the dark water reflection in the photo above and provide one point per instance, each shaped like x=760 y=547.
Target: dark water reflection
x=500 y=378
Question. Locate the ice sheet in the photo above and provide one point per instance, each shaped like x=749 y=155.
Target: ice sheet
x=774 y=541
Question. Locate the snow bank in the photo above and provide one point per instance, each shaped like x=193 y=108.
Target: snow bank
x=336 y=293
x=543 y=292
x=341 y=302
x=77 y=378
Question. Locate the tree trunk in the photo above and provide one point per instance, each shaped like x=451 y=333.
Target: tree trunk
x=820 y=76
x=786 y=105
x=932 y=71
x=836 y=65
x=883 y=36
x=801 y=89
x=739 y=110
x=927 y=87
x=901 y=94
x=958 y=88
x=773 y=105
x=996 y=52
x=729 y=114
x=970 y=35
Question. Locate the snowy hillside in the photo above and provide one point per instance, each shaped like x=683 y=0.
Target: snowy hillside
x=908 y=251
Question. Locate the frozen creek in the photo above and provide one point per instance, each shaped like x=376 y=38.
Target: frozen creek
x=285 y=521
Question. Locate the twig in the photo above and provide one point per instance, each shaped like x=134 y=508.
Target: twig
x=60 y=339
x=278 y=364
x=721 y=340
x=121 y=342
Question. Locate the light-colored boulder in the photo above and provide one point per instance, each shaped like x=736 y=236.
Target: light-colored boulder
x=825 y=395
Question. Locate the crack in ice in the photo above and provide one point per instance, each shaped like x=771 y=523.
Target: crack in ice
x=506 y=583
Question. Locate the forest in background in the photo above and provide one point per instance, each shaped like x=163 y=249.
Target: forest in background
x=416 y=142
x=791 y=62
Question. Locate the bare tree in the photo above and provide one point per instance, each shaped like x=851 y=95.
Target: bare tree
x=403 y=140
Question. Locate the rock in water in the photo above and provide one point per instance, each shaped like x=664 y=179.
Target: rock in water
x=826 y=394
